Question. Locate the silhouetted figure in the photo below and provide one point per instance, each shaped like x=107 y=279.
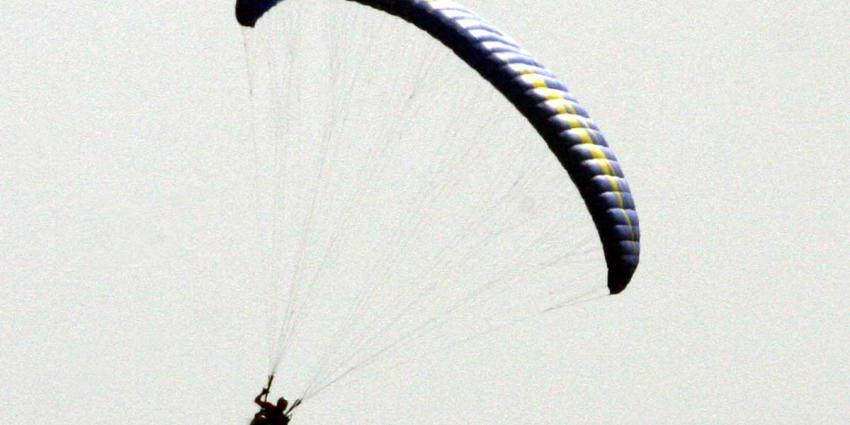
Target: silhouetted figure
x=271 y=414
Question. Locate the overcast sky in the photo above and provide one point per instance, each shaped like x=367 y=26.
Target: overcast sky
x=123 y=133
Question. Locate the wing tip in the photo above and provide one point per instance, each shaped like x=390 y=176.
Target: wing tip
x=244 y=18
x=618 y=279
x=248 y=12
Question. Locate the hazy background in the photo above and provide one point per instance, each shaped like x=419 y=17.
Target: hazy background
x=123 y=241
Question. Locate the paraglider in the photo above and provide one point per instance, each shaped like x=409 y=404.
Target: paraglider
x=533 y=90
x=279 y=413
x=271 y=414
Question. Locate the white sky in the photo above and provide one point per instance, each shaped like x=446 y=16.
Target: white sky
x=123 y=134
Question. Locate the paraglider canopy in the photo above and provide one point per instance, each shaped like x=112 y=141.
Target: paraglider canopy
x=546 y=102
